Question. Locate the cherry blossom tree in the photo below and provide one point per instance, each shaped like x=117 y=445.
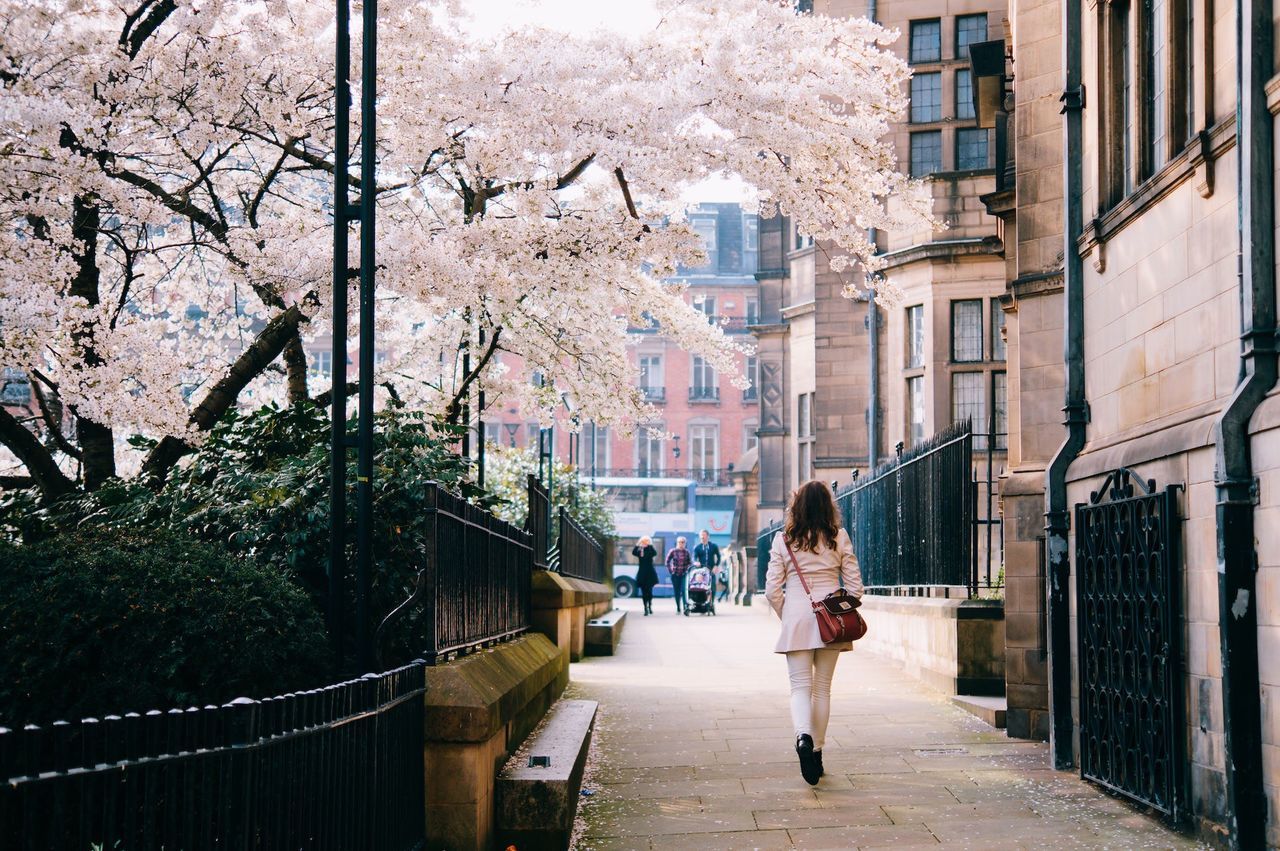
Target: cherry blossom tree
x=165 y=172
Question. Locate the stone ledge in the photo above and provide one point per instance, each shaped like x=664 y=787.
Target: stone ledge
x=936 y=607
x=604 y=632
x=553 y=591
x=472 y=698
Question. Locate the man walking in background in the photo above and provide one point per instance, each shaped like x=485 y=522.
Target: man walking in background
x=707 y=554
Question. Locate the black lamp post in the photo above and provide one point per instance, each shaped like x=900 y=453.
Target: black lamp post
x=343 y=214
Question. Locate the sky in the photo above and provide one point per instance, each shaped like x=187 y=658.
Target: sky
x=583 y=16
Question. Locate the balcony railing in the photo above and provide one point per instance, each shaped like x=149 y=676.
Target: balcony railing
x=750 y=394
x=654 y=394
x=704 y=394
x=709 y=478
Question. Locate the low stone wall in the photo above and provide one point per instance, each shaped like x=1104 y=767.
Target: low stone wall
x=478 y=710
x=562 y=606
x=954 y=646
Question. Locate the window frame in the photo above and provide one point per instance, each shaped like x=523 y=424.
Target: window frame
x=935 y=114
x=986 y=33
x=981 y=329
x=999 y=417
x=979 y=425
x=911 y=154
x=912 y=58
x=966 y=99
x=698 y=432
x=914 y=330
x=960 y=135
x=915 y=394
x=999 y=321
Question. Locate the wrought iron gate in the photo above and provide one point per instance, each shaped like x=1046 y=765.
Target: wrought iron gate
x=1129 y=615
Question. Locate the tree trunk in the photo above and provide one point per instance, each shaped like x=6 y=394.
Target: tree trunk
x=34 y=456
x=295 y=362
x=97 y=442
x=268 y=346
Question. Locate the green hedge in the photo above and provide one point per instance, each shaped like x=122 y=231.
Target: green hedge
x=107 y=622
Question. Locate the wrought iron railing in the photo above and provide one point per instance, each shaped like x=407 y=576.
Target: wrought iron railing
x=654 y=394
x=576 y=553
x=718 y=478
x=538 y=521
x=338 y=767
x=912 y=519
x=704 y=394
x=477 y=576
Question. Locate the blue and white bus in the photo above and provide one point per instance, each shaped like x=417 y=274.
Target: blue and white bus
x=663 y=509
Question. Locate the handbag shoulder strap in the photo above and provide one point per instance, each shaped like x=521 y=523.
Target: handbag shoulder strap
x=799 y=572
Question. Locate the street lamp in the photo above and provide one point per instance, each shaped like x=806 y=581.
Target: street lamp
x=344 y=213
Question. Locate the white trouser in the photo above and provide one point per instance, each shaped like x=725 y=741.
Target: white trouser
x=810 y=672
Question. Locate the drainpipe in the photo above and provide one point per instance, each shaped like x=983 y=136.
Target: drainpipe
x=873 y=400
x=1234 y=477
x=1057 y=512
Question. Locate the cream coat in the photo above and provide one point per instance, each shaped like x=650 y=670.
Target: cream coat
x=823 y=571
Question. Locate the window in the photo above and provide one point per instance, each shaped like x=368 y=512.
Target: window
x=321 y=364
x=752 y=370
x=926 y=41
x=964 y=94
x=805 y=462
x=750 y=234
x=650 y=458
x=706 y=304
x=531 y=432
x=1156 y=85
x=805 y=434
x=651 y=377
x=704 y=448
x=702 y=381
x=915 y=406
x=1120 y=91
x=970 y=29
x=493 y=433
x=1000 y=409
x=804 y=415
x=804 y=6
x=595 y=454
x=999 y=349
x=968 y=402
x=753 y=311
x=915 y=336
x=926 y=153
x=966 y=331
x=926 y=97
x=15 y=388
x=668 y=500
x=971 y=148
x=750 y=440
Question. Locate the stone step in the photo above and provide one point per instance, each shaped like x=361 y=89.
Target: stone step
x=536 y=794
x=604 y=632
x=989 y=709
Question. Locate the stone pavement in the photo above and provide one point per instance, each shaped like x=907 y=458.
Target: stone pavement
x=694 y=749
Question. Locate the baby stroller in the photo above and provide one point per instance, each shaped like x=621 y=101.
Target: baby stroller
x=701 y=600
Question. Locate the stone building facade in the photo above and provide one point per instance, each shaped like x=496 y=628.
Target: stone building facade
x=844 y=382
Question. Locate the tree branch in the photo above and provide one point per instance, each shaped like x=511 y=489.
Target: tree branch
x=266 y=347
x=53 y=483
x=52 y=423
x=295 y=362
x=454 y=409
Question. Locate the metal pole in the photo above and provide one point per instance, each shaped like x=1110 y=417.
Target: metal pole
x=338 y=367
x=480 y=405
x=593 y=454
x=368 y=259
x=873 y=402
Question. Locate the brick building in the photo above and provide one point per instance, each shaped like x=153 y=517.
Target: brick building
x=711 y=422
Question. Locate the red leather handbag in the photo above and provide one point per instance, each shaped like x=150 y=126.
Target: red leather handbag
x=838 y=617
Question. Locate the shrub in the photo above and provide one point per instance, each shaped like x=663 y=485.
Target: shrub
x=112 y=621
x=506 y=477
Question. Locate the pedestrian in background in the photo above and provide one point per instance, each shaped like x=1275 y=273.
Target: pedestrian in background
x=679 y=560
x=707 y=554
x=812 y=541
x=646 y=576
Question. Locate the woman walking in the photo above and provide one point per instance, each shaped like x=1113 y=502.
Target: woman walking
x=821 y=549
x=679 y=560
x=646 y=576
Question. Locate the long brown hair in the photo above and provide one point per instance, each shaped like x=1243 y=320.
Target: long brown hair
x=812 y=517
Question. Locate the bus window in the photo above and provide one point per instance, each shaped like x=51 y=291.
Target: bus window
x=666 y=500
x=627 y=500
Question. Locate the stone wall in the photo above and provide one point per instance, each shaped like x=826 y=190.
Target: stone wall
x=477 y=711
x=954 y=646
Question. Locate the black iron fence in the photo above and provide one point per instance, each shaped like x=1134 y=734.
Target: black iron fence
x=335 y=768
x=912 y=520
x=476 y=582
x=577 y=554
x=538 y=521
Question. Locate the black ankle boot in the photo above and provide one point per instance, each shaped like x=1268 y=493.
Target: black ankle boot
x=808 y=764
x=817 y=755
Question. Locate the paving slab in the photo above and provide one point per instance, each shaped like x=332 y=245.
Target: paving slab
x=694 y=750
